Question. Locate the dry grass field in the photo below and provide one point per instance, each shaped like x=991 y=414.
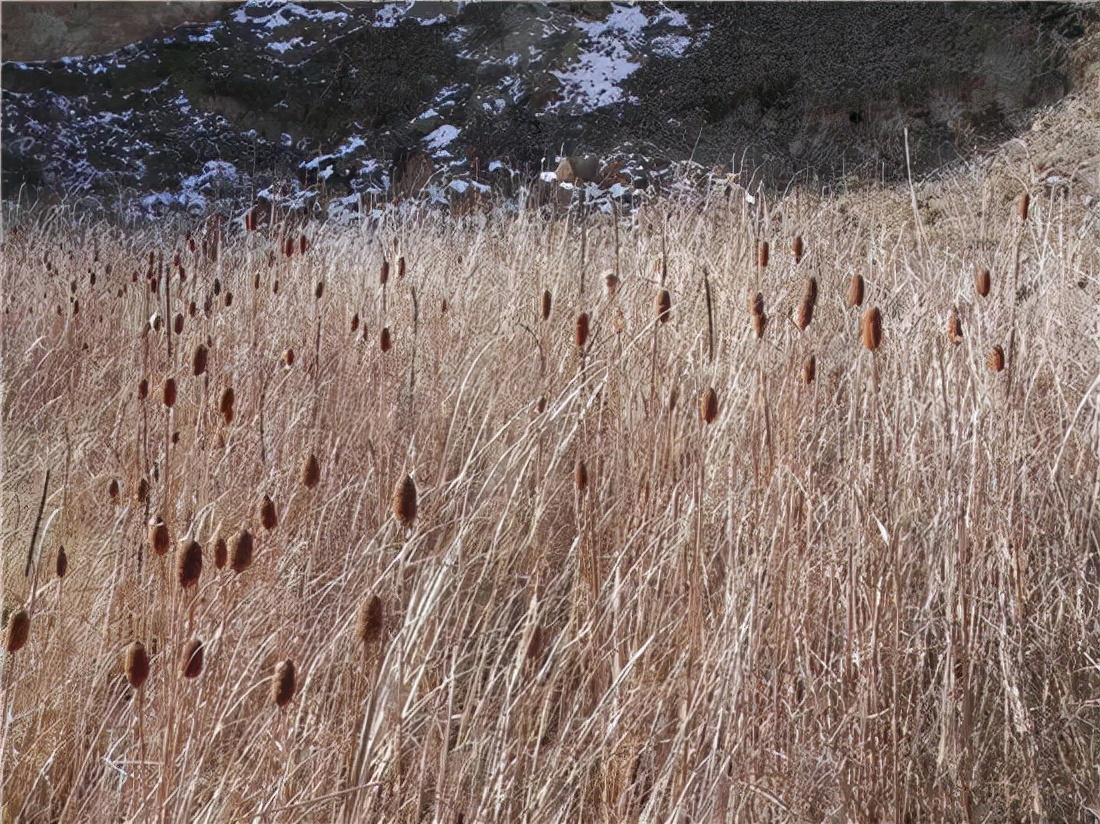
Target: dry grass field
x=652 y=569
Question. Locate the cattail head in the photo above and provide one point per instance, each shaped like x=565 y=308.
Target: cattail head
x=534 y=643
x=319 y=290
x=580 y=476
x=871 y=329
x=404 y=501
x=282 y=685
x=198 y=361
x=221 y=552
x=288 y=357
x=663 y=305
x=240 y=558
x=1022 y=206
x=546 y=302
x=954 y=328
x=62 y=562
x=756 y=304
x=275 y=287
x=226 y=404
x=708 y=405
x=268 y=517
x=384 y=342
x=384 y=272
x=303 y=245
x=612 y=284
x=809 y=301
x=797 y=249
x=155 y=322
x=580 y=333
x=250 y=220
x=177 y=323
x=762 y=254
x=855 y=291
x=444 y=307
x=158 y=536
x=311 y=472
x=192 y=659
x=19 y=630
x=759 y=317
x=170 y=392
x=228 y=298
x=189 y=563
x=288 y=246
x=112 y=490
x=371 y=619
x=996 y=359
x=192 y=309
x=136 y=664
x=759 y=323
x=143 y=491
x=809 y=370
x=400 y=267
x=143 y=389
x=982 y=282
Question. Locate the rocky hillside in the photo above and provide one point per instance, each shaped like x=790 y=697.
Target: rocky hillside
x=334 y=108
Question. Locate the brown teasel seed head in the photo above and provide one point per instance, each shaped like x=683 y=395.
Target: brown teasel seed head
x=797 y=249
x=371 y=620
x=580 y=333
x=762 y=254
x=1022 y=206
x=855 y=291
x=809 y=370
x=983 y=282
x=226 y=404
x=268 y=517
x=112 y=490
x=871 y=329
x=282 y=685
x=954 y=328
x=384 y=341
x=663 y=305
x=189 y=564
x=404 y=501
x=580 y=476
x=809 y=301
x=546 y=304
x=198 y=361
x=62 y=565
x=221 y=552
x=708 y=405
x=19 y=630
x=384 y=272
x=170 y=392
x=158 y=536
x=996 y=359
x=401 y=267
x=192 y=659
x=311 y=472
x=136 y=664
x=240 y=558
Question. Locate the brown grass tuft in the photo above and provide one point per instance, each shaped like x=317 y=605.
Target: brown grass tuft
x=240 y=557
x=268 y=517
x=871 y=329
x=371 y=620
x=158 y=536
x=282 y=685
x=580 y=333
x=708 y=405
x=136 y=664
x=404 y=501
x=311 y=472
x=192 y=659
x=809 y=301
x=855 y=291
x=19 y=630
x=982 y=282
x=225 y=406
x=996 y=360
x=189 y=564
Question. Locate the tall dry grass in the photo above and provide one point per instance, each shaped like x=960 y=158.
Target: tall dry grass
x=865 y=588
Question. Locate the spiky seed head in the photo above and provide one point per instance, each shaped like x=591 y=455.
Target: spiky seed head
x=871 y=329
x=282 y=685
x=996 y=359
x=177 y=323
x=404 y=501
x=855 y=291
x=400 y=267
x=384 y=342
x=384 y=272
x=982 y=282
x=371 y=620
x=580 y=476
x=136 y=664
x=1022 y=206
x=311 y=472
x=143 y=389
x=546 y=304
x=158 y=536
x=62 y=565
x=198 y=361
x=288 y=357
x=170 y=392
x=19 y=630
x=809 y=370
x=192 y=659
x=240 y=558
x=809 y=301
x=319 y=290
x=229 y=397
x=189 y=563
x=221 y=552
x=580 y=333
x=112 y=490
x=762 y=254
x=797 y=249
x=708 y=405
x=268 y=517
x=954 y=328
x=663 y=305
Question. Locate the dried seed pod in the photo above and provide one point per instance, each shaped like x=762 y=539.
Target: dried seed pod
x=855 y=291
x=580 y=333
x=282 y=685
x=62 y=565
x=404 y=501
x=809 y=370
x=158 y=536
x=143 y=389
x=983 y=282
x=663 y=305
x=871 y=329
x=311 y=472
x=192 y=659
x=401 y=267
x=384 y=272
x=954 y=328
x=384 y=342
x=546 y=303
x=1022 y=206
x=240 y=557
x=268 y=517
x=708 y=405
x=189 y=563
x=170 y=392
x=221 y=552
x=762 y=254
x=137 y=664
x=580 y=476
x=809 y=301
x=288 y=357
x=996 y=359
x=371 y=620
x=19 y=630
x=797 y=249
x=198 y=360
x=112 y=490
x=225 y=406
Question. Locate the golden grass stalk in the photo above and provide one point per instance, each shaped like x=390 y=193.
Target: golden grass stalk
x=809 y=301
x=982 y=282
x=404 y=501
x=871 y=329
x=189 y=564
x=136 y=664
x=282 y=685
x=996 y=360
x=370 y=621
x=855 y=291
x=268 y=517
x=192 y=659
x=311 y=472
x=19 y=630
x=708 y=405
x=240 y=557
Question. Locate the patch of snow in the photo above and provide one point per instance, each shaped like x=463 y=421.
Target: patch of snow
x=494 y=165
x=670 y=45
x=441 y=137
x=284 y=47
